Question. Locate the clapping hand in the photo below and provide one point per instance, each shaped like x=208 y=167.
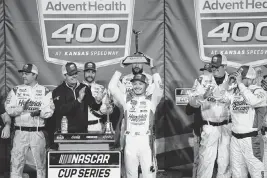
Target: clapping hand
x=81 y=94
x=35 y=113
x=208 y=92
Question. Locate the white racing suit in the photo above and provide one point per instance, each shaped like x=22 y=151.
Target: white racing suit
x=94 y=117
x=33 y=139
x=245 y=141
x=215 y=137
x=264 y=132
x=139 y=120
x=201 y=80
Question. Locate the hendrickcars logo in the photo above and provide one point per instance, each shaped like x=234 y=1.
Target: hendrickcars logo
x=235 y=28
x=99 y=30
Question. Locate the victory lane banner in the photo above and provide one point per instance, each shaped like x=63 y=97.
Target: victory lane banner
x=82 y=30
x=93 y=164
x=235 y=28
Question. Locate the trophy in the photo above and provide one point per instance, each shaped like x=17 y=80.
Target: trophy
x=108 y=125
x=137 y=57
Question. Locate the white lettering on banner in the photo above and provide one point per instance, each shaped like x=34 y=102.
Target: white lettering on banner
x=83 y=28
x=233 y=5
x=86 y=6
x=94 y=158
x=84 y=164
x=235 y=28
x=91 y=53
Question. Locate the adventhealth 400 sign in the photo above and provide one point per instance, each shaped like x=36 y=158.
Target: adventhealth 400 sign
x=236 y=28
x=86 y=29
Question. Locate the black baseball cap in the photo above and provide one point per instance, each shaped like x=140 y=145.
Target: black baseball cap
x=140 y=77
x=218 y=60
x=89 y=66
x=70 y=68
x=29 y=68
x=206 y=67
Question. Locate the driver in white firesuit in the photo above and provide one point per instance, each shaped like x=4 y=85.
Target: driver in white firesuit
x=215 y=136
x=31 y=104
x=139 y=109
x=264 y=126
x=197 y=124
x=245 y=141
x=95 y=117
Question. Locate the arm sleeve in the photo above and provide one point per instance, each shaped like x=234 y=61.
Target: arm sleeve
x=6 y=118
x=48 y=107
x=256 y=99
x=158 y=90
x=63 y=107
x=91 y=100
x=189 y=110
x=116 y=92
x=11 y=106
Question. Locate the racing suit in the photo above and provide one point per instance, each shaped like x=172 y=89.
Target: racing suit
x=95 y=117
x=28 y=134
x=215 y=136
x=139 y=120
x=245 y=142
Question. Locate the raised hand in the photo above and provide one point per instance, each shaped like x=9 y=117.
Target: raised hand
x=81 y=94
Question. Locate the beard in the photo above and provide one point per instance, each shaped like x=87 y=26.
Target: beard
x=89 y=79
x=140 y=71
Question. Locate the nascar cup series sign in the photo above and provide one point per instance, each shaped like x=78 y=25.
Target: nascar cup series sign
x=82 y=30
x=93 y=164
x=235 y=28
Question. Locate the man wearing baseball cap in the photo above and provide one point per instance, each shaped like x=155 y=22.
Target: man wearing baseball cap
x=245 y=141
x=96 y=118
x=215 y=135
x=138 y=124
x=31 y=104
x=196 y=111
x=72 y=99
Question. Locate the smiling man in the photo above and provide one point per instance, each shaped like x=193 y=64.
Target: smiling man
x=72 y=99
x=139 y=109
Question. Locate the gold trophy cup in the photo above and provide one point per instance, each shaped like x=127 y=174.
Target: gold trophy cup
x=108 y=125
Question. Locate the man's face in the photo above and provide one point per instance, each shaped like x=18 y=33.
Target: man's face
x=28 y=78
x=71 y=79
x=139 y=87
x=218 y=71
x=206 y=72
x=137 y=68
x=247 y=82
x=89 y=75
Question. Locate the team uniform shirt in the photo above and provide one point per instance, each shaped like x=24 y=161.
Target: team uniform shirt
x=213 y=108
x=245 y=152
x=138 y=123
x=242 y=107
x=138 y=109
x=214 y=139
x=40 y=99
